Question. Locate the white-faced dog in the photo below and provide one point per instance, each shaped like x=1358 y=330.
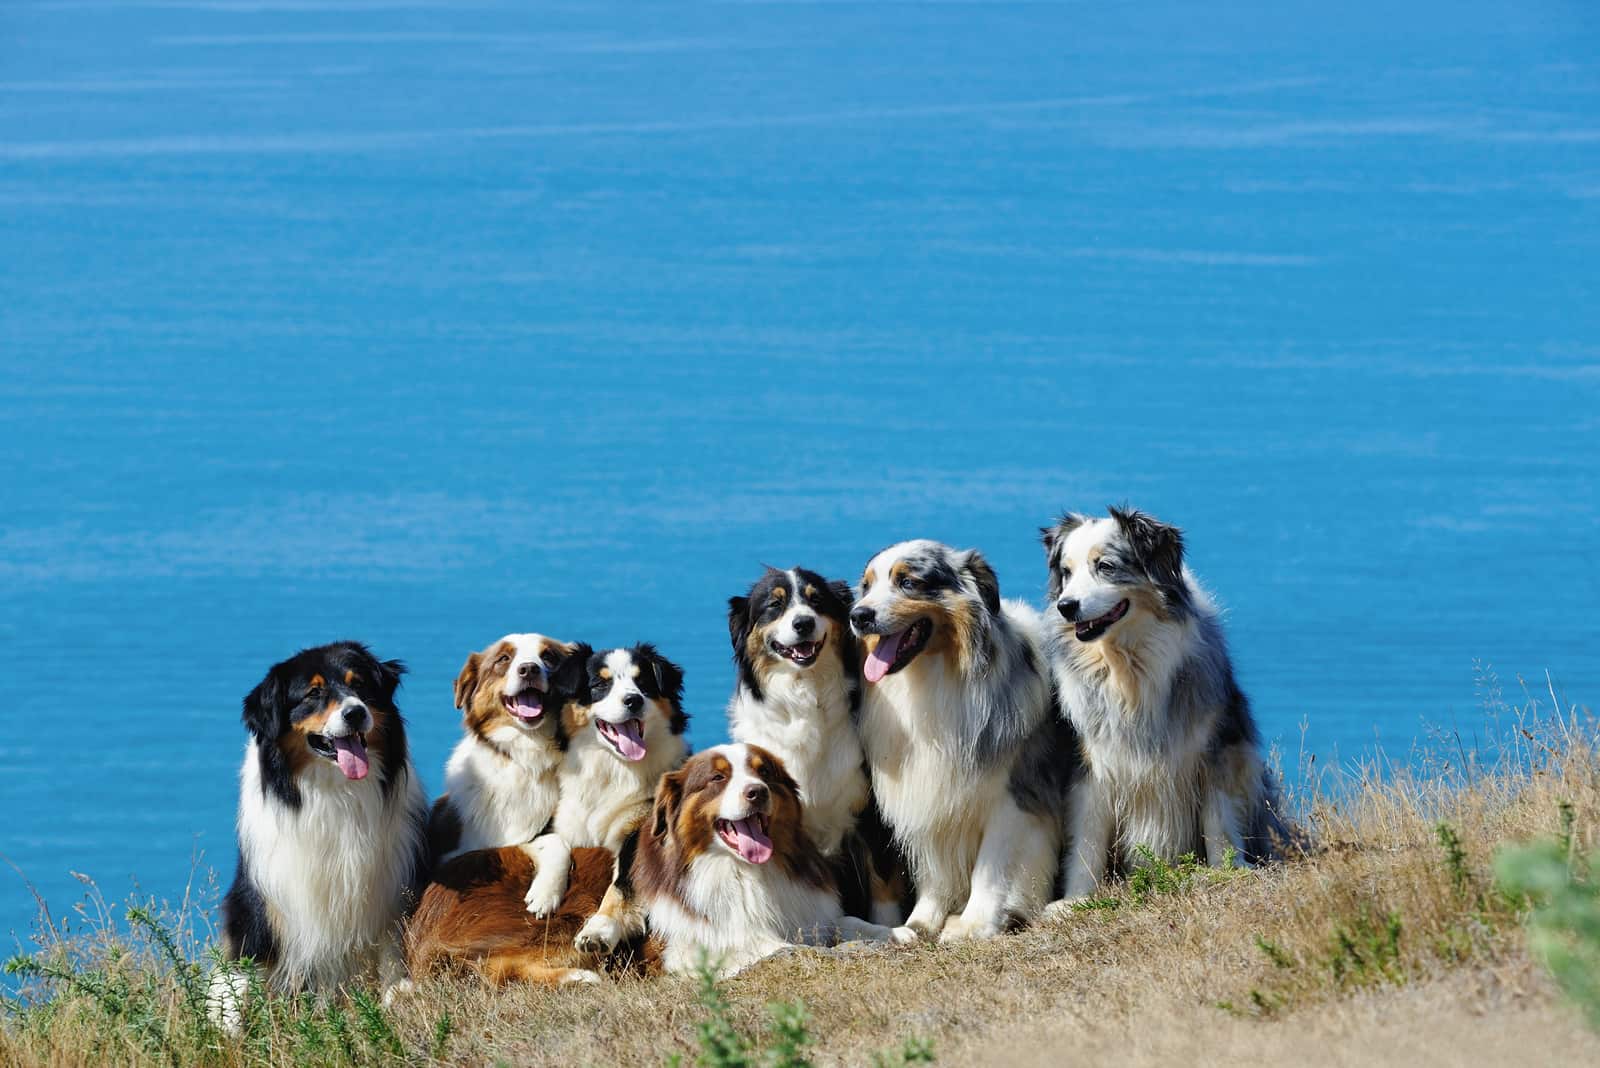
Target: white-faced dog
x=331 y=819
x=969 y=761
x=620 y=741
x=1170 y=754
x=501 y=782
x=797 y=692
x=727 y=872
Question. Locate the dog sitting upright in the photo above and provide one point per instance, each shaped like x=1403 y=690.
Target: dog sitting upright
x=1171 y=760
x=501 y=782
x=331 y=821
x=797 y=694
x=620 y=741
x=797 y=691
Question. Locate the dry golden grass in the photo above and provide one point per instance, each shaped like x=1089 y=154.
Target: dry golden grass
x=1376 y=947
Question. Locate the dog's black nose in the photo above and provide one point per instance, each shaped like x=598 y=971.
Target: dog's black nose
x=356 y=717
x=1068 y=609
x=528 y=669
x=862 y=616
x=804 y=625
x=633 y=701
x=756 y=793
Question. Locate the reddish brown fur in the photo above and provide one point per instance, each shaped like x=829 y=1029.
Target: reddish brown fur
x=473 y=916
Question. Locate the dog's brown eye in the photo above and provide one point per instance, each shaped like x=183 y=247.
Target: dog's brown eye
x=313 y=693
x=503 y=660
x=719 y=777
x=549 y=658
x=1105 y=567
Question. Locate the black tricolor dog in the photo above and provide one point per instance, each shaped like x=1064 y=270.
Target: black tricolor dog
x=331 y=820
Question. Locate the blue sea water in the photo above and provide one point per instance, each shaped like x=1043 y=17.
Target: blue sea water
x=421 y=321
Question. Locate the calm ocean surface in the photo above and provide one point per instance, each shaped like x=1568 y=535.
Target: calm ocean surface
x=421 y=322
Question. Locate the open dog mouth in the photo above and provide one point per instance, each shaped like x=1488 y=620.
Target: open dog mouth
x=748 y=837
x=349 y=751
x=895 y=651
x=803 y=654
x=627 y=737
x=527 y=706
x=1088 y=630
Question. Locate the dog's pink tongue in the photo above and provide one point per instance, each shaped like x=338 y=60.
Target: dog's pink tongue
x=630 y=739
x=526 y=706
x=751 y=841
x=352 y=756
x=881 y=659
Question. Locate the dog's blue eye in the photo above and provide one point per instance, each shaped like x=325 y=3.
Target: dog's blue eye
x=1106 y=568
x=908 y=583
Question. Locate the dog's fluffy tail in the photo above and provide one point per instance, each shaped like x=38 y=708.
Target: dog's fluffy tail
x=1277 y=835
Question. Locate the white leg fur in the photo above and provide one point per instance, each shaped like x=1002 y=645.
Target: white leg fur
x=1092 y=825
x=393 y=979
x=852 y=929
x=1014 y=867
x=552 y=861
x=928 y=917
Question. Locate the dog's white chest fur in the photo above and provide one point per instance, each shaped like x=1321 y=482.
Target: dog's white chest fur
x=333 y=873
x=738 y=913
x=1147 y=763
x=602 y=797
x=502 y=799
x=805 y=720
x=926 y=793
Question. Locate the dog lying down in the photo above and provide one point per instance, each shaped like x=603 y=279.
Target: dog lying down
x=723 y=869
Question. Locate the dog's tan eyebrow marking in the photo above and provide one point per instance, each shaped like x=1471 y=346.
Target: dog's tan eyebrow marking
x=605 y=673
x=810 y=590
x=720 y=763
x=349 y=677
x=899 y=571
x=317 y=682
x=868 y=579
x=756 y=763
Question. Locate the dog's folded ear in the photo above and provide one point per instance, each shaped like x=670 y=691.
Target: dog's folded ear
x=388 y=677
x=1158 y=546
x=669 y=676
x=572 y=671
x=842 y=590
x=738 y=615
x=983 y=577
x=669 y=797
x=467 y=681
x=1052 y=536
x=264 y=708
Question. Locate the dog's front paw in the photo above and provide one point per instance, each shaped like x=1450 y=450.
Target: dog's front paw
x=902 y=936
x=542 y=900
x=598 y=936
x=1057 y=911
x=397 y=991
x=580 y=975
x=961 y=929
x=923 y=927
